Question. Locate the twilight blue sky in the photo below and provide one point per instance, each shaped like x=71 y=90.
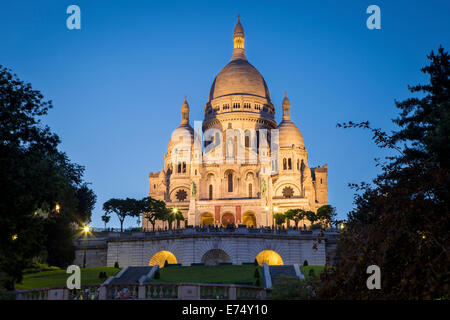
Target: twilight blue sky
x=118 y=83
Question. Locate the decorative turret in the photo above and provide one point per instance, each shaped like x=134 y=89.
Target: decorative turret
x=185 y=112
x=238 y=41
x=288 y=133
x=286 y=107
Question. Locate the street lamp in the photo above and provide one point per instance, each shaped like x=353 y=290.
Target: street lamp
x=274 y=210
x=57 y=208
x=86 y=230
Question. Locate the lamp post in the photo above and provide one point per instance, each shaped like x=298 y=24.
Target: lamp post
x=274 y=210
x=86 y=230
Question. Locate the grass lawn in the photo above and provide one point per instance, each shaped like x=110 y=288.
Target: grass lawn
x=317 y=270
x=59 y=277
x=209 y=274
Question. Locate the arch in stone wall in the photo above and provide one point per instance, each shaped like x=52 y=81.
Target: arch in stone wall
x=215 y=256
x=249 y=219
x=227 y=219
x=269 y=257
x=206 y=218
x=282 y=188
x=160 y=258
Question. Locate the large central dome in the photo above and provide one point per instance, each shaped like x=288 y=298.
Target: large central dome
x=239 y=77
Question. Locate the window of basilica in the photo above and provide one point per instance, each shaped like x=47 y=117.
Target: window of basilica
x=288 y=192
x=181 y=195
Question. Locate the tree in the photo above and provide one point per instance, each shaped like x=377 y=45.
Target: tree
x=34 y=175
x=153 y=210
x=325 y=214
x=400 y=222
x=311 y=216
x=123 y=208
x=169 y=216
x=280 y=218
x=290 y=214
x=106 y=218
x=296 y=215
x=86 y=203
x=179 y=217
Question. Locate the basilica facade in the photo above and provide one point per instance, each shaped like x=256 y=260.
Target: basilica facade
x=238 y=166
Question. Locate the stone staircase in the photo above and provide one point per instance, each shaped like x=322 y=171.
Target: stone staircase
x=277 y=271
x=130 y=275
x=271 y=274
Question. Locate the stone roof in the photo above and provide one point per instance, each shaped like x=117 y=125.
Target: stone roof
x=239 y=77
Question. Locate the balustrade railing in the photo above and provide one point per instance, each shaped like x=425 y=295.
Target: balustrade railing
x=145 y=291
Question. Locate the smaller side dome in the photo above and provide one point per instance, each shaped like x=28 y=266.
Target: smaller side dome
x=288 y=133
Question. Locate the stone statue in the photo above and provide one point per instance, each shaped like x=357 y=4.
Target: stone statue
x=193 y=188
x=263 y=187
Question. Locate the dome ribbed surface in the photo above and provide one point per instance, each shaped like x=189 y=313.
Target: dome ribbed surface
x=239 y=77
x=289 y=134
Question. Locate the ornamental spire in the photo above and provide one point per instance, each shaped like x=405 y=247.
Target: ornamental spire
x=238 y=41
x=185 y=112
x=286 y=105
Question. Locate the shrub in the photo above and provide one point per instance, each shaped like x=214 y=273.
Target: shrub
x=305 y=263
x=256 y=273
x=256 y=262
x=166 y=263
x=312 y=273
x=116 y=265
x=157 y=275
x=293 y=288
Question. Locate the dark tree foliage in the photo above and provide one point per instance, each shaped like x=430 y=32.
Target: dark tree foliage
x=86 y=202
x=154 y=210
x=401 y=221
x=123 y=208
x=59 y=241
x=34 y=174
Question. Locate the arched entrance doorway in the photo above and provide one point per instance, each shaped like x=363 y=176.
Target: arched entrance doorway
x=249 y=219
x=227 y=219
x=269 y=257
x=215 y=256
x=160 y=258
x=206 y=219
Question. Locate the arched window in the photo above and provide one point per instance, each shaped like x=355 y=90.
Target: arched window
x=257 y=139
x=298 y=164
x=179 y=167
x=248 y=136
x=250 y=190
x=289 y=164
x=184 y=167
x=284 y=164
x=230 y=182
x=230 y=147
x=210 y=192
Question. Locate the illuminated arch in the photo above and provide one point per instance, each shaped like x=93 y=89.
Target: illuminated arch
x=269 y=257
x=214 y=257
x=160 y=258
x=249 y=219
x=228 y=218
x=206 y=219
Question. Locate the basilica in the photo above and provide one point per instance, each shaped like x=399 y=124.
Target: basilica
x=238 y=166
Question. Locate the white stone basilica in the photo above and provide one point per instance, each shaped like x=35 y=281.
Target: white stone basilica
x=238 y=166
